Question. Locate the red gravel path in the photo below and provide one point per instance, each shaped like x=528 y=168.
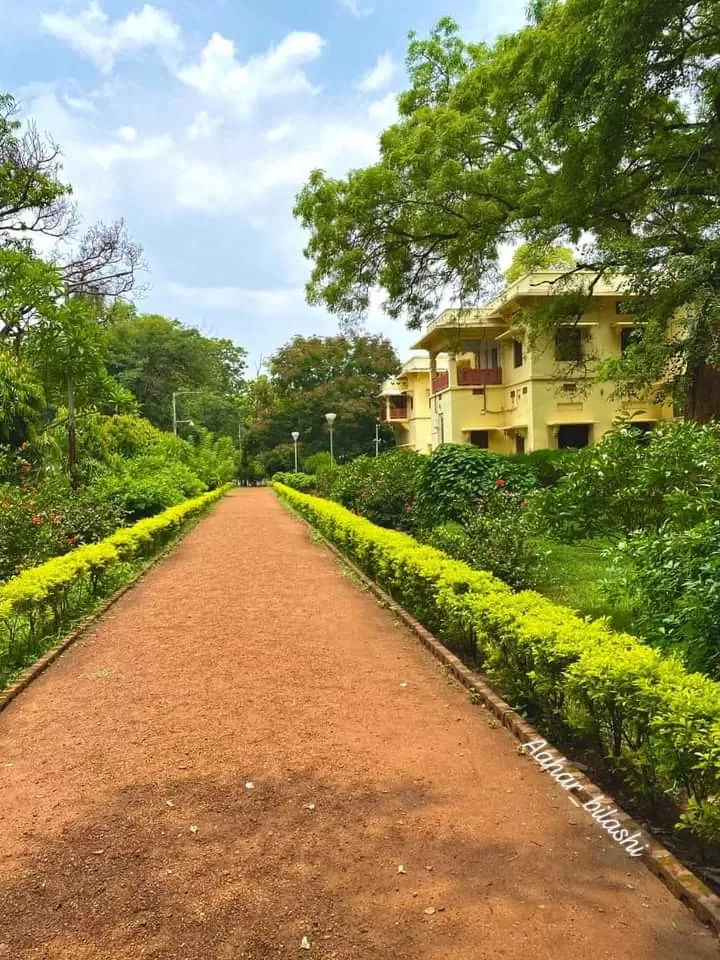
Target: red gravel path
x=249 y=656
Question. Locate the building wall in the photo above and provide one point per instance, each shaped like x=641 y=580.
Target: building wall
x=541 y=394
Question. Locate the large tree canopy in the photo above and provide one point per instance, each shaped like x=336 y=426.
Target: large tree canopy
x=598 y=124
x=312 y=376
x=154 y=356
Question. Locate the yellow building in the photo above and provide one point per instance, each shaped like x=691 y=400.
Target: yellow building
x=480 y=382
x=406 y=403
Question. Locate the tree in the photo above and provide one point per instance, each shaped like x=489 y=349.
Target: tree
x=66 y=350
x=598 y=124
x=34 y=202
x=312 y=376
x=530 y=257
x=32 y=198
x=21 y=400
x=154 y=356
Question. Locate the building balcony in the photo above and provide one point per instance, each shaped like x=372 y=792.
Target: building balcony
x=440 y=382
x=479 y=377
x=398 y=413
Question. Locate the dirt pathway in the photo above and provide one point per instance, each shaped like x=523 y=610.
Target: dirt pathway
x=129 y=827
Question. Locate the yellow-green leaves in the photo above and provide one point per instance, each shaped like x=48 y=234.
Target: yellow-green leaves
x=44 y=600
x=657 y=725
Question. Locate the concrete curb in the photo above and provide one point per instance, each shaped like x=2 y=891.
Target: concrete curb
x=40 y=665
x=681 y=881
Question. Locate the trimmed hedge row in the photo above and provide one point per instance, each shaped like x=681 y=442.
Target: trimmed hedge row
x=42 y=601
x=304 y=482
x=657 y=725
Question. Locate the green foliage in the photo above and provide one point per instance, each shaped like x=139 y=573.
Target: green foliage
x=672 y=578
x=21 y=400
x=50 y=519
x=312 y=376
x=496 y=538
x=596 y=123
x=657 y=725
x=154 y=356
x=43 y=601
x=531 y=257
x=631 y=481
x=148 y=484
x=303 y=482
x=548 y=466
x=456 y=476
x=316 y=462
x=381 y=488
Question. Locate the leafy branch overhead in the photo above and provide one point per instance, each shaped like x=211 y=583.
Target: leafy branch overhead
x=34 y=202
x=596 y=125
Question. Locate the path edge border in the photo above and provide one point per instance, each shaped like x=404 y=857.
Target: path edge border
x=36 y=669
x=679 y=879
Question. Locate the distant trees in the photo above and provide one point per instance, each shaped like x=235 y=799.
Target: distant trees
x=312 y=376
x=153 y=356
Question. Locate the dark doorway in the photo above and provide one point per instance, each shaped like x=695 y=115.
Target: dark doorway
x=519 y=443
x=480 y=438
x=572 y=436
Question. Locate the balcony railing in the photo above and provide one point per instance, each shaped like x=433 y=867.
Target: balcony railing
x=478 y=377
x=441 y=382
x=398 y=413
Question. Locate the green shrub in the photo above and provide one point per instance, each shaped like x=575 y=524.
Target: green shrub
x=548 y=466
x=454 y=476
x=316 y=461
x=657 y=725
x=43 y=601
x=148 y=484
x=631 y=481
x=495 y=538
x=672 y=579
x=298 y=481
x=380 y=488
x=41 y=521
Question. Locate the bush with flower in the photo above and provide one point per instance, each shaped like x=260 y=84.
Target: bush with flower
x=48 y=519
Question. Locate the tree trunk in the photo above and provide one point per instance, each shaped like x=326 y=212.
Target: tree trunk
x=703 y=401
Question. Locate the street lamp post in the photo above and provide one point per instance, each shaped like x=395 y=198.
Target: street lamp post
x=377 y=438
x=331 y=418
x=296 y=436
x=175 y=420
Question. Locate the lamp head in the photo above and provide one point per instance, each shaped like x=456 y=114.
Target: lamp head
x=295 y=435
x=331 y=418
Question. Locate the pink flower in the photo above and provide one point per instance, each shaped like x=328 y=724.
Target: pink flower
x=499 y=482
x=36 y=520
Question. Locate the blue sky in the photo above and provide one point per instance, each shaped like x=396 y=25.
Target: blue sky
x=199 y=120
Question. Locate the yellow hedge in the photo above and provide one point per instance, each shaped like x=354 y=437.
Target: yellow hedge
x=657 y=725
x=43 y=600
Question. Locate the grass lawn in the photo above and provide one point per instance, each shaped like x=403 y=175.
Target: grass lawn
x=573 y=577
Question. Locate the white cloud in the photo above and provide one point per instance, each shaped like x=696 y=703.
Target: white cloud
x=378 y=77
x=278 y=71
x=93 y=35
x=152 y=148
x=384 y=110
x=128 y=134
x=203 y=126
x=281 y=132
x=354 y=7
x=80 y=104
x=246 y=174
